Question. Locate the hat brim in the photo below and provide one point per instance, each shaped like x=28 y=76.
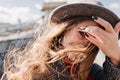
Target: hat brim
x=82 y=9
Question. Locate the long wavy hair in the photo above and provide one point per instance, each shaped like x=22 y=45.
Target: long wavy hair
x=34 y=61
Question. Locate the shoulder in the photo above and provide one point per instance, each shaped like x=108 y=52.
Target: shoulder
x=96 y=71
x=111 y=70
x=107 y=72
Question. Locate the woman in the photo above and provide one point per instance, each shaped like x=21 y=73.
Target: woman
x=67 y=48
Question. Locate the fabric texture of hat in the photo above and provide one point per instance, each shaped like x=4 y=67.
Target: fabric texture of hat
x=83 y=8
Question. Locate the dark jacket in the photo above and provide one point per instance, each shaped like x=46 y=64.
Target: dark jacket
x=108 y=72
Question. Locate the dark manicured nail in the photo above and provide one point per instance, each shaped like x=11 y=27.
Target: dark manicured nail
x=94 y=17
x=82 y=33
x=86 y=34
x=82 y=28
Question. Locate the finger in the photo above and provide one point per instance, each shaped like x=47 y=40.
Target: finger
x=117 y=28
x=93 y=40
x=108 y=27
x=94 y=31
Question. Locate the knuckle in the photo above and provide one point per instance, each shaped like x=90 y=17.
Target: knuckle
x=96 y=29
x=108 y=24
x=93 y=30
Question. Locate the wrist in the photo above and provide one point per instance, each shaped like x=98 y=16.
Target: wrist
x=116 y=59
x=115 y=62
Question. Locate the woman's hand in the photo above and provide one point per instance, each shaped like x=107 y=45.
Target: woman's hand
x=106 y=40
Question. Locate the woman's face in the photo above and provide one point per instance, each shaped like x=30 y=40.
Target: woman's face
x=73 y=38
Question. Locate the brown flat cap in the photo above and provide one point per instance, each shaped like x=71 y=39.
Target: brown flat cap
x=82 y=9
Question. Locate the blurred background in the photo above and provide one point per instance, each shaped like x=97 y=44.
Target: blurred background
x=18 y=14
x=20 y=18
x=27 y=11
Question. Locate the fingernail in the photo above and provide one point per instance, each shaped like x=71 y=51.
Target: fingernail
x=82 y=28
x=86 y=34
x=94 y=17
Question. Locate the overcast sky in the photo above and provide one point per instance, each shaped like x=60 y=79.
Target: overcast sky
x=27 y=10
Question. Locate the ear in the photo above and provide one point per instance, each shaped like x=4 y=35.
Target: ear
x=117 y=28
